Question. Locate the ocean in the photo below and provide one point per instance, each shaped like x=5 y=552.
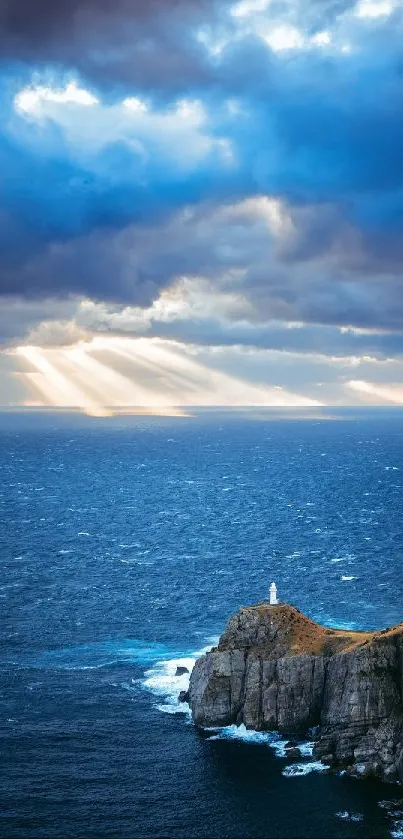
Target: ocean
x=126 y=543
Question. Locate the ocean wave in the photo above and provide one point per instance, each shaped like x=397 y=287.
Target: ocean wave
x=296 y=770
x=394 y=812
x=96 y=655
x=346 y=816
x=162 y=681
x=249 y=735
x=306 y=749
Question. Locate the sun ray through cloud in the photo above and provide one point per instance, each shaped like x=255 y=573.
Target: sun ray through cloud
x=58 y=386
x=157 y=376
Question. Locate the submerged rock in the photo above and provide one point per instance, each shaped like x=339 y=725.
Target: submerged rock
x=292 y=752
x=275 y=669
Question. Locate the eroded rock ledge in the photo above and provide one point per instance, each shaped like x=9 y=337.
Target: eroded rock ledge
x=275 y=669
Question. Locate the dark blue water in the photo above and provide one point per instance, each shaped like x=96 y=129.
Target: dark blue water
x=125 y=545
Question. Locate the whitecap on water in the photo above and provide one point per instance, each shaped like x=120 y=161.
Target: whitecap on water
x=96 y=655
x=306 y=749
x=296 y=770
x=346 y=816
x=248 y=735
x=394 y=811
x=273 y=740
x=163 y=682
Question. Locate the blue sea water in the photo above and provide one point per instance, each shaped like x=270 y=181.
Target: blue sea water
x=125 y=545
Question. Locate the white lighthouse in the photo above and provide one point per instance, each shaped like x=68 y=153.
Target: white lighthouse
x=273 y=595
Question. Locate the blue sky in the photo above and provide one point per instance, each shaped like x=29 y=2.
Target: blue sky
x=201 y=202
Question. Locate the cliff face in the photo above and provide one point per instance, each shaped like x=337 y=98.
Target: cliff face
x=274 y=669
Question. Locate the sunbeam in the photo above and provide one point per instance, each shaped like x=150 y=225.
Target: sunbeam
x=118 y=390
x=199 y=384
x=386 y=393
x=58 y=388
x=157 y=377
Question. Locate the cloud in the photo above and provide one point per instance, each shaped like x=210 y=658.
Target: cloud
x=250 y=261
x=19 y=316
x=127 y=40
x=187 y=313
x=166 y=46
x=374 y=8
x=222 y=275
x=243 y=157
x=75 y=172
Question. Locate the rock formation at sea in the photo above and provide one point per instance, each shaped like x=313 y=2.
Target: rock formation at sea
x=275 y=669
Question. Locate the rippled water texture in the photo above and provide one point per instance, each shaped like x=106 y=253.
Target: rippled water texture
x=125 y=545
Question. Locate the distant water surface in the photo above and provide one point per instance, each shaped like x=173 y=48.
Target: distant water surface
x=125 y=545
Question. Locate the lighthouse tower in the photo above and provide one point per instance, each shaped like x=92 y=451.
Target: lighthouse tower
x=273 y=595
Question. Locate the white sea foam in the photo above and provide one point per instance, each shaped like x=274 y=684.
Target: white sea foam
x=166 y=686
x=162 y=681
x=299 y=769
x=393 y=806
x=346 y=816
x=248 y=735
x=306 y=749
x=394 y=810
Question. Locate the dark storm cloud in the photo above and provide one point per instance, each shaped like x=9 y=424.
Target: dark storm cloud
x=18 y=317
x=152 y=43
x=305 y=339
x=319 y=129
x=233 y=249
x=146 y=42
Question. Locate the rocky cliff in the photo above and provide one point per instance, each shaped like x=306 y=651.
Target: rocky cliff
x=275 y=669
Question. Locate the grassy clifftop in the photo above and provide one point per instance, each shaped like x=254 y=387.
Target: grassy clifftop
x=283 y=630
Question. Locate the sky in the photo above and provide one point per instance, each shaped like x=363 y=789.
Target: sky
x=201 y=203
